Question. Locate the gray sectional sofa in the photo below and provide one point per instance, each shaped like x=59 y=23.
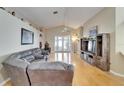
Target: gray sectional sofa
x=30 y=68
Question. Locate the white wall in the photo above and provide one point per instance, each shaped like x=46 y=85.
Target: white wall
x=10 y=37
x=119 y=29
x=118 y=66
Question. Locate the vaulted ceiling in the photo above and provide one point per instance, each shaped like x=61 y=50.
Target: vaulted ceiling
x=68 y=16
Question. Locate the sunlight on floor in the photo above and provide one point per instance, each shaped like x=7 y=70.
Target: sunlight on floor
x=65 y=57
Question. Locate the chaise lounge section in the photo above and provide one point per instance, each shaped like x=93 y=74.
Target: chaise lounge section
x=50 y=73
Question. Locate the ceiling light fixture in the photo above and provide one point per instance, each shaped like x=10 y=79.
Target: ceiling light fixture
x=64 y=21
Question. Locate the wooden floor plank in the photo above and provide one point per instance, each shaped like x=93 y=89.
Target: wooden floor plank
x=88 y=75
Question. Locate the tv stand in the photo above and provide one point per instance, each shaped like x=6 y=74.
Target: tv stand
x=103 y=51
x=100 y=57
x=88 y=57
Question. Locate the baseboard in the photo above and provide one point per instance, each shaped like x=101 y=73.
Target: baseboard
x=117 y=74
x=4 y=82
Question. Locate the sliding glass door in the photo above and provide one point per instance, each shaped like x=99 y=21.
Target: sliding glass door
x=62 y=43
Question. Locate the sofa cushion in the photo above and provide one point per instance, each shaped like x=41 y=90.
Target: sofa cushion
x=39 y=56
x=45 y=52
x=39 y=60
x=37 y=51
x=28 y=58
x=23 y=54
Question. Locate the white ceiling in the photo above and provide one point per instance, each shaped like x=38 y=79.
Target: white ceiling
x=69 y=16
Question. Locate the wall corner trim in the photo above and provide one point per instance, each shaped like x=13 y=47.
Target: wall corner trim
x=4 y=82
x=117 y=74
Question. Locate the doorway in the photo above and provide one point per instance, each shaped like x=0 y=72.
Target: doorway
x=63 y=43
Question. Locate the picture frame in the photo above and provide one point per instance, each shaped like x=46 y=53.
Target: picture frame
x=93 y=32
x=27 y=37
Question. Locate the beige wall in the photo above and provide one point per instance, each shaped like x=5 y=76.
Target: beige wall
x=105 y=20
x=10 y=37
x=56 y=31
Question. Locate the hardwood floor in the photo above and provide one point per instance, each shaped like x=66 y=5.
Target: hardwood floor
x=8 y=83
x=85 y=74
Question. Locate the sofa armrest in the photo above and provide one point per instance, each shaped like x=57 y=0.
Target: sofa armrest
x=17 y=63
x=70 y=67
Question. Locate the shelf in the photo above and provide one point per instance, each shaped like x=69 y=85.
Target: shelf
x=87 y=52
x=86 y=57
x=88 y=40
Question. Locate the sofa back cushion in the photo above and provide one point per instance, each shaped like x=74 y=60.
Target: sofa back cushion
x=23 y=54
x=36 y=51
x=26 y=53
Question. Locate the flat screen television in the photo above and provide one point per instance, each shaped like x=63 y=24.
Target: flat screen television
x=92 y=46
